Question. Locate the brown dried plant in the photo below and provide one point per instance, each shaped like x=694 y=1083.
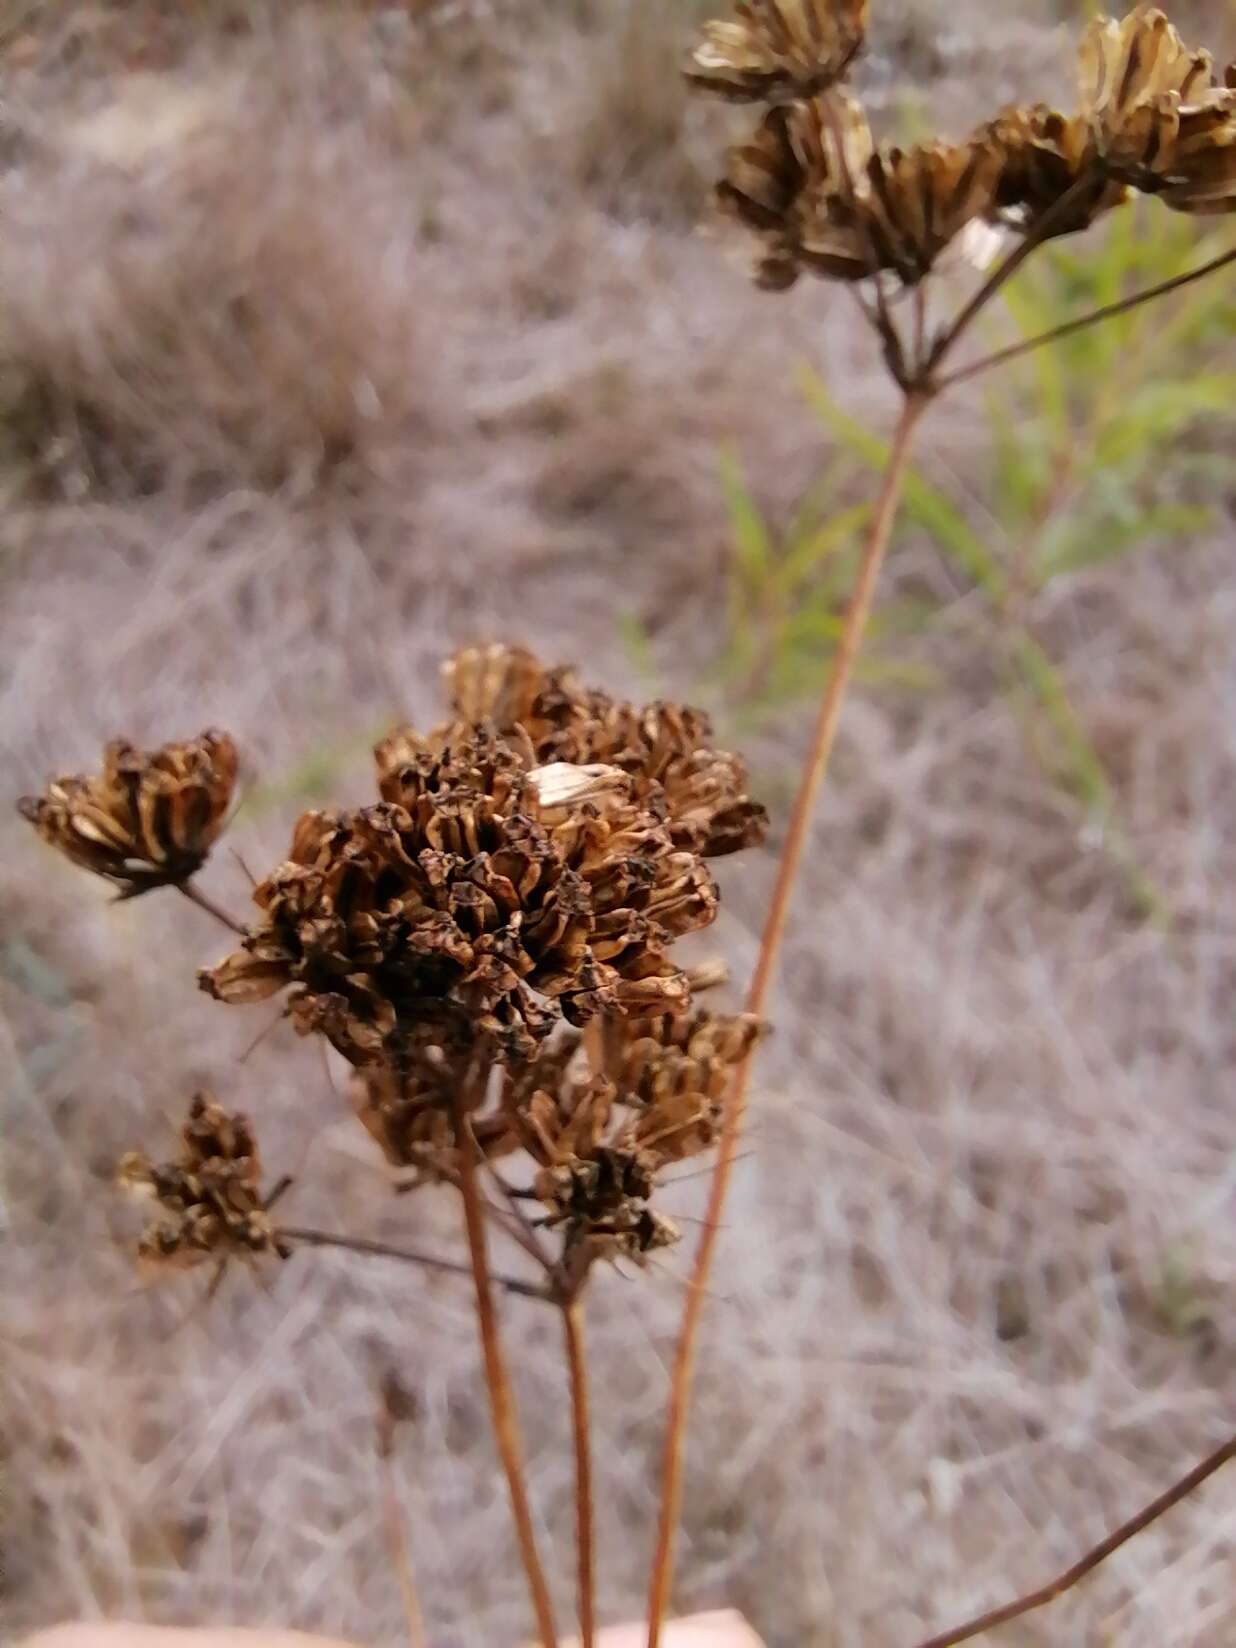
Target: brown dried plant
x=490 y=943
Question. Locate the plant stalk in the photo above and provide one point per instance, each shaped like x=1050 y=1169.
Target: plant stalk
x=814 y=769
x=1094 y=318
x=397 y=1539
x=497 y=1380
x=581 y=1429
x=1072 y=1576
x=411 y=1256
x=195 y=895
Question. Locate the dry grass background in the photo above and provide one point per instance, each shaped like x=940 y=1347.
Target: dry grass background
x=327 y=340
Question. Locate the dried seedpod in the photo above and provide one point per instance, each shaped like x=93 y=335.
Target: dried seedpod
x=594 y=1182
x=775 y=50
x=1159 y=117
x=696 y=1055
x=665 y=749
x=411 y=1111
x=600 y=1130
x=208 y=1203
x=1050 y=180
x=149 y=819
x=473 y=909
x=900 y=214
x=795 y=146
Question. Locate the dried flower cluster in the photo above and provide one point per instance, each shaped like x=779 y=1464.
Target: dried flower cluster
x=145 y=821
x=532 y=860
x=821 y=196
x=526 y=872
x=208 y=1202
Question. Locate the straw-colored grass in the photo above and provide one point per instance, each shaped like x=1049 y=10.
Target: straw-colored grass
x=314 y=362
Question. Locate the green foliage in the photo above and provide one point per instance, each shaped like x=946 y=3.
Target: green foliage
x=787 y=592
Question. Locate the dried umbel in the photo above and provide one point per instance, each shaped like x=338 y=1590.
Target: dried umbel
x=665 y=749
x=1160 y=119
x=774 y=49
x=900 y=213
x=473 y=909
x=412 y=1112
x=602 y=1129
x=208 y=1203
x=1049 y=178
x=148 y=819
x=821 y=196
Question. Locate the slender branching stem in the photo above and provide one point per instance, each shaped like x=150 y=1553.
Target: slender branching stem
x=497 y=1379
x=408 y=1255
x=1039 y=231
x=1072 y=1576
x=1094 y=318
x=813 y=772
x=581 y=1430
x=195 y=895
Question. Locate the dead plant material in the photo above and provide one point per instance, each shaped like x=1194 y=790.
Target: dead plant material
x=775 y=49
x=208 y=1202
x=148 y=819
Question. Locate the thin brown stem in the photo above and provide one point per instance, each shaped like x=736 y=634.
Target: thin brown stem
x=411 y=1256
x=1093 y=318
x=813 y=772
x=195 y=895
x=397 y=1541
x=581 y=1430
x=1038 y=232
x=1072 y=1576
x=497 y=1379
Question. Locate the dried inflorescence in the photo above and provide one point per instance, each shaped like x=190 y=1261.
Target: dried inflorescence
x=208 y=1202
x=602 y=1130
x=148 y=819
x=533 y=859
x=665 y=749
x=470 y=914
x=822 y=197
x=1159 y=116
x=775 y=49
x=411 y=1111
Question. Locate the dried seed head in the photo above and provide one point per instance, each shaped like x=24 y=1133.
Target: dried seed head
x=145 y=821
x=1045 y=158
x=823 y=143
x=775 y=50
x=600 y=1140
x=472 y=908
x=208 y=1201
x=1160 y=118
x=900 y=213
x=665 y=749
x=411 y=1112
x=820 y=197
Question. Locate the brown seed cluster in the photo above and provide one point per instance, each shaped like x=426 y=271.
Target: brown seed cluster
x=208 y=1202
x=776 y=49
x=1160 y=116
x=665 y=749
x=148 y=819
x=490 y=945
x=526 y=873
x=602 y=1130
x=472 y=907
x=821 y=197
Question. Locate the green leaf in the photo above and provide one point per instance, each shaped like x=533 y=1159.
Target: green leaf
x=805 y=556
x=1087 y=544
x=752 y=543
